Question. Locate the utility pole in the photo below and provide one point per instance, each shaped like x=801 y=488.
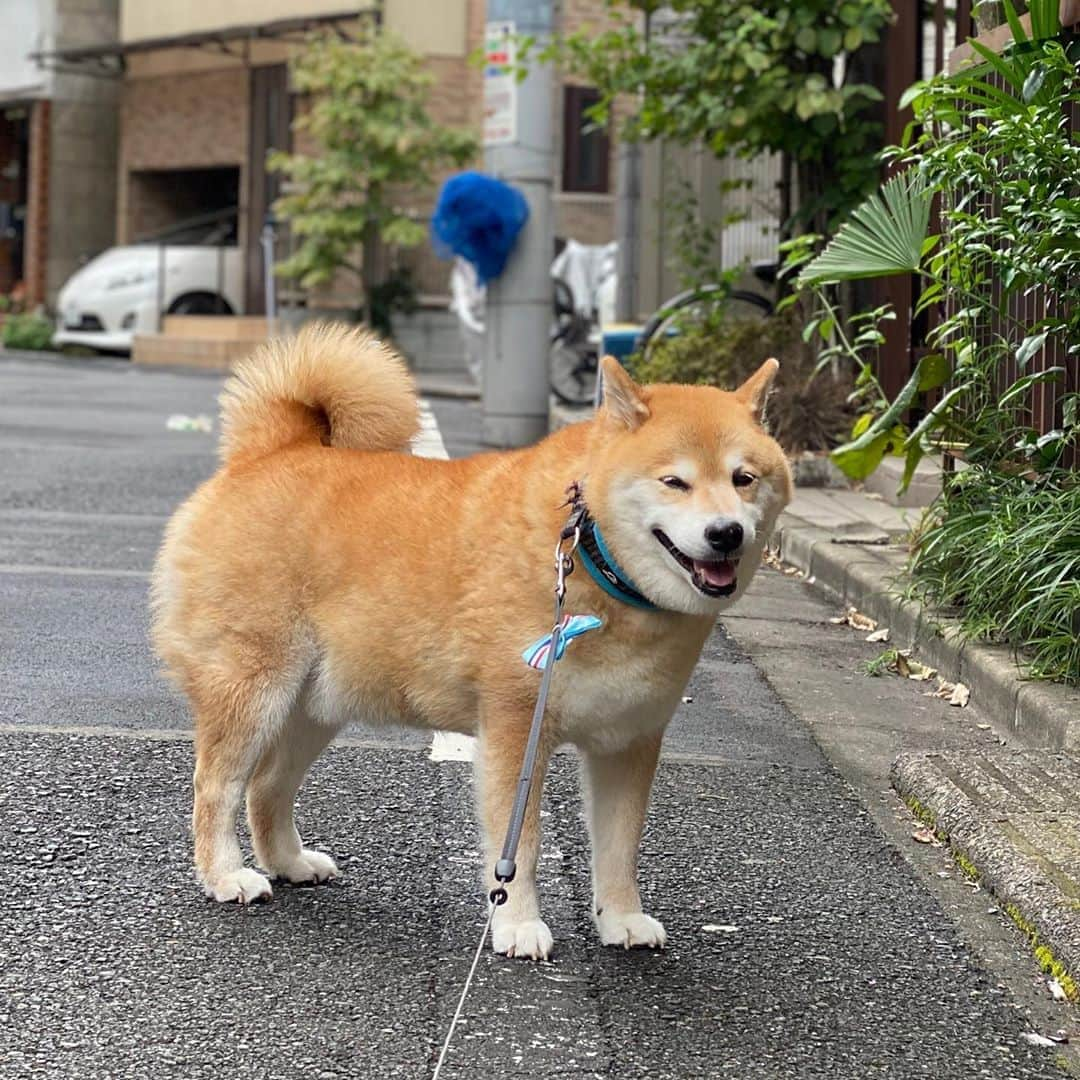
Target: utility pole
x=628 y=220
x=518 y=149
x=627 y=217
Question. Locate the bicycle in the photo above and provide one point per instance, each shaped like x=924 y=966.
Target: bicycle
x=576 y=341
x=574 y=355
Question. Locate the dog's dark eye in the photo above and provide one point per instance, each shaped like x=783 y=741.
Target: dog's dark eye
x=743 y=479
x=674 y=482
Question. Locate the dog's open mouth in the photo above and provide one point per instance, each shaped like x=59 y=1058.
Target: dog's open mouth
x=712 y=577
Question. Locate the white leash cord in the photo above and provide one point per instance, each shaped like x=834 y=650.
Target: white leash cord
x=465 y=990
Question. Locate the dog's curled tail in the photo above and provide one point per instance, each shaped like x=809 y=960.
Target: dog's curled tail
x=330 y=383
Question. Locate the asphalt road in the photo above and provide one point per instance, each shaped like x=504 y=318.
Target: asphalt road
x=802 y=941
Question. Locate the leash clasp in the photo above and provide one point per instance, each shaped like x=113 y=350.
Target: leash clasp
x=564 y=560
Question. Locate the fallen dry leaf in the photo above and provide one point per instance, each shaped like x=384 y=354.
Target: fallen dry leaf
x=1036 y=1039
x=924 y=835
x=955 y=693
x=1056 y=990
x=772 y=559
x=855 y=619
x=879 y=635
x=960 y=696
x=913 y=669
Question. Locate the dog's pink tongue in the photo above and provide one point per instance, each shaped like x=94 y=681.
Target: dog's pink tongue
x=718 y=574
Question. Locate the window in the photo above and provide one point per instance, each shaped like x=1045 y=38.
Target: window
x=585 y=147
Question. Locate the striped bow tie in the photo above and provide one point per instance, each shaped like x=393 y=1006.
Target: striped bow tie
x=536 y=655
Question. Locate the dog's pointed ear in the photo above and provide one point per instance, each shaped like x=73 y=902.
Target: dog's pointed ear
x=756 y=389
x=622 y=400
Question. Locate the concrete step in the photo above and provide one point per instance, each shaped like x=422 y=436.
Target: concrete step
x=1012 y=819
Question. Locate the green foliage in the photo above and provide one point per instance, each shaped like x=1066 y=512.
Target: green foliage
x=885 y=235
x=27 y=331
x=808 y=408
x=994 y=144
x=745 y=78
x=367 y=115
x=976 y=140
x=1006 y=552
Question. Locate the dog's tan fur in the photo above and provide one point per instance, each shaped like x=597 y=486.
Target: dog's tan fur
x=325 y=575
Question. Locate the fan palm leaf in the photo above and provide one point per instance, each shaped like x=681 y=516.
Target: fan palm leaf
x=883 y=236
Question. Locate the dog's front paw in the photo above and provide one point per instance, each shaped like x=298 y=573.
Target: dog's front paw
x=630 y=929
x=305 y=868
x=242 y=886
x=529 y=939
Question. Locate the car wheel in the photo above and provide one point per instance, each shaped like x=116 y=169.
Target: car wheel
x=200 y=303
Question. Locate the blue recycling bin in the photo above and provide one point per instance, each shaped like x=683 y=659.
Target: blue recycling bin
x=620 y=340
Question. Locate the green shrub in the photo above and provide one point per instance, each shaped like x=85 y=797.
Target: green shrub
x=27 y=332
x=1005 y=551
x=806 y=411
x=995 y=145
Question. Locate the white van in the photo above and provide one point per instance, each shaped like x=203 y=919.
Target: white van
x=194 y=269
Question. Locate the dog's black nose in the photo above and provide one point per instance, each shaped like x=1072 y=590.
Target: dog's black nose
x=724 y=538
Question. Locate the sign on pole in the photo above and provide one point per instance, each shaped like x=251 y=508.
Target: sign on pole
x=500 y=85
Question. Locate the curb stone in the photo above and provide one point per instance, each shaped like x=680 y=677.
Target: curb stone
x=867 y=575
x=986 y=804
x=1002 y=811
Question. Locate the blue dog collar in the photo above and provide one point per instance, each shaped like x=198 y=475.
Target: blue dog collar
x=605 y=571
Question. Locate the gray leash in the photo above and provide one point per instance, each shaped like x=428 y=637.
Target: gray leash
x=506 y=867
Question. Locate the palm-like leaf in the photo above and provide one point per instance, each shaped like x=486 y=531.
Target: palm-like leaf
x=884 y=236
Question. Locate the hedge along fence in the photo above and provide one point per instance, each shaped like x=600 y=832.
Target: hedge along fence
x=1002 y=275
x=1000 y=279
x=929 y=38
x=1037 y=304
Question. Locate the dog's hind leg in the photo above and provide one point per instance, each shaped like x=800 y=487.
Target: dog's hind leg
x=233 y=727
x=272 y=793
x=517 y=929
x=617 y=794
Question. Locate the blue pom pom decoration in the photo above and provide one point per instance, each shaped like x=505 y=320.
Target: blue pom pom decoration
x=478 y=218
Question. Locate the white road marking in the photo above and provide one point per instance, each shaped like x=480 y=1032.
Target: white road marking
x=429 y=442
x=450 y=746
x=70 y=571
x=445 y=745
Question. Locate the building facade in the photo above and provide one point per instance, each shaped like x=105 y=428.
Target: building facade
x=58 y=146
x=204 y=93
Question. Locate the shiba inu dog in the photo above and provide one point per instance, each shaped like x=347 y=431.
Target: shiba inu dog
x=325 y=575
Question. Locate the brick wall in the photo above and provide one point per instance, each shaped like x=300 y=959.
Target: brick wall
x=184 y=121
x=587 y=218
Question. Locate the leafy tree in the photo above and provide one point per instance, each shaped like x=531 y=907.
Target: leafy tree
x=376 y=141
x=746 y=78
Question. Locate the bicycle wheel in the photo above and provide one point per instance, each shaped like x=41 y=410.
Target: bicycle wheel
x=694 y=306
x=572 y=365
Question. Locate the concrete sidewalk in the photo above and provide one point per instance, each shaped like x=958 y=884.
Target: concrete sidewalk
x=1010 y=814
x=852 y=546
